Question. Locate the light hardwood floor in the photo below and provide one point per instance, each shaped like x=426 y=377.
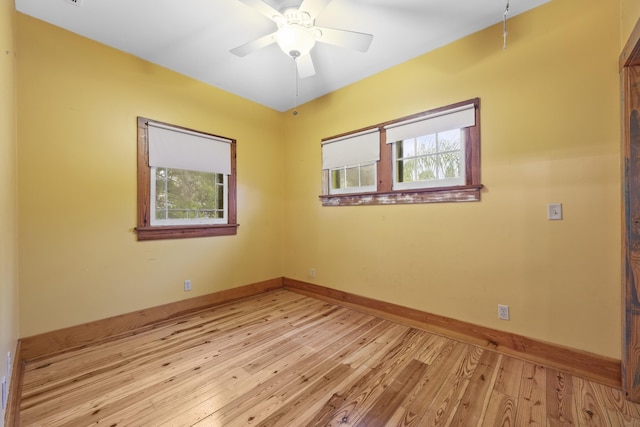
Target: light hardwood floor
x=283 y=359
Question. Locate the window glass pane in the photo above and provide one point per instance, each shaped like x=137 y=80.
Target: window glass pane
x=161 y=180
x=353 y=177
x=408 y=148
x=184 y=194
x=426 y=168
x=406 y=171
x=435 y=157
x=219 y=213
x=337 y=178
x=450 y=164
x=449 y=140
x=426 y=144
x=368 y=175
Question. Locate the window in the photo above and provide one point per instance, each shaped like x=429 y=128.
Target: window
x=353 y=178
x=183 y=197
x=350 y=162
x=433 y=156
x=433 y=160
x=186 y=183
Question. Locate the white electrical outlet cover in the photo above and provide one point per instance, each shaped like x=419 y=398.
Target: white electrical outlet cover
x=503 y=312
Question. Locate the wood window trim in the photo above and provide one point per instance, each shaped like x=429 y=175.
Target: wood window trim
x=147 y=232
x=385 y=195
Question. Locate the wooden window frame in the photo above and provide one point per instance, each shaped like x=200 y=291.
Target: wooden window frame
x=144 y=229
x=469 y=192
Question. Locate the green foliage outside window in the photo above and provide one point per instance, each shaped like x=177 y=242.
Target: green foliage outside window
x=429 y=157
x=184 y=194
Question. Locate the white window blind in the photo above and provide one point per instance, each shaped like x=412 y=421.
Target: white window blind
x=455 y=118
x=359 y=148
x=176 y=148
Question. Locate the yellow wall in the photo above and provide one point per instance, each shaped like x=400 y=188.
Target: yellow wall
x=629 y=14
x=550 y=134
x=8 y=214
x=79 y=260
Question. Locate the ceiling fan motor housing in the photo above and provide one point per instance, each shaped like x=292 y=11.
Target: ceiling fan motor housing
x=296 y=36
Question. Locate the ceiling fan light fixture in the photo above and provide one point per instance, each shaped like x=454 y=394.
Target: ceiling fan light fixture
x=295 y=40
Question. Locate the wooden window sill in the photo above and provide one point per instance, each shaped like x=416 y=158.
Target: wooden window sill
x=185 y=231
x=464 y=193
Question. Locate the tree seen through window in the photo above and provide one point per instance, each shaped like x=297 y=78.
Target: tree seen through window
x=185 y=194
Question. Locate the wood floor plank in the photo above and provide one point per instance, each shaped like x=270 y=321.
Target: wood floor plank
x=431 y=348
x=590 y=406
x=284 y=359
x=292 y=410
x=360 y=396
x=333 y=325
x=413 y=409
x=501 y=410
x=447 y=399
x=371 y=354
x=561 y=410
x=620 y=411
x=477 y=395
x=509 y=375
x=532 y=410
x=394 y=394
x=503 y=404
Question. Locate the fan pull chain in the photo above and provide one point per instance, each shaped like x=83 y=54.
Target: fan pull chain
x=504 y=26
x=295 y=69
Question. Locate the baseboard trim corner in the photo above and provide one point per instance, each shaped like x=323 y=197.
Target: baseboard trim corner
x=591 y=366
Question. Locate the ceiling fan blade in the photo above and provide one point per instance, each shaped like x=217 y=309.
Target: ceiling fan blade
x=305 y=66
x=313 y=7
x=247 y=48
x=344 y=38
x=264 y=9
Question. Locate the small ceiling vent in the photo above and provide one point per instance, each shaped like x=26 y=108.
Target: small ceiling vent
x=74 y=2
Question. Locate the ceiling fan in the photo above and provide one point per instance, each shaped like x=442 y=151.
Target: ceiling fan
x=297 y=35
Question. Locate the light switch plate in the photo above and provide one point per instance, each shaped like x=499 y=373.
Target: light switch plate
x=554 y=211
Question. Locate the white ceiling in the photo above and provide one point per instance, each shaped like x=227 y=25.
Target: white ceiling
x=193 y=37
